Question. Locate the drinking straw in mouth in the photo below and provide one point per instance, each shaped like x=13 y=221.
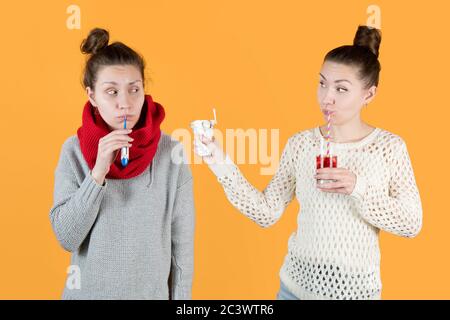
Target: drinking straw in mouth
x=328 y=132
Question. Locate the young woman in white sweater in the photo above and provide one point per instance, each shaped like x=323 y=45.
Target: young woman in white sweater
x=334 y=254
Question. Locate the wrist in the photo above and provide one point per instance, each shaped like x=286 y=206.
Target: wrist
x=98 y=176
x=223 y=167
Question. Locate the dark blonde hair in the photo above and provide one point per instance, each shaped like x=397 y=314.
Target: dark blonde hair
x=363 y=54
x=102 y=54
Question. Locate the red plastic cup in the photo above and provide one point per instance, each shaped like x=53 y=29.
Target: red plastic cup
x=328 y=162
x=325 y=162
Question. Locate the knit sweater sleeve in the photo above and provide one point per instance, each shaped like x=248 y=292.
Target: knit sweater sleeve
x=266 y=207
x=183 y=222
x=75 y=205
x=398 y=208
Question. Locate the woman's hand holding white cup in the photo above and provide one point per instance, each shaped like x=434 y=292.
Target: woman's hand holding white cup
x=216 y=154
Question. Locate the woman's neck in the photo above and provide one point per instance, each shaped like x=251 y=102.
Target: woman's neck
x=350 y=132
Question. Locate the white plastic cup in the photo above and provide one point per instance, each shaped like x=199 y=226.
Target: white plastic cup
x=202 y=128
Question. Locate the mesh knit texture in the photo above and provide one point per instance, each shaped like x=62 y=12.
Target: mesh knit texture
x=334 y=254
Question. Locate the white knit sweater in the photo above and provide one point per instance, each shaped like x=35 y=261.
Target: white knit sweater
x=334 y=254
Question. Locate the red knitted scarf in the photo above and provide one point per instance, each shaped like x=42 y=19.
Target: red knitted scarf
x=146 y=134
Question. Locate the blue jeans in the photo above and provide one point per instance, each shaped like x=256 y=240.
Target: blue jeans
x=285 y=294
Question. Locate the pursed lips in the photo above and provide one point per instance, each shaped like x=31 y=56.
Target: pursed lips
x=326 y=112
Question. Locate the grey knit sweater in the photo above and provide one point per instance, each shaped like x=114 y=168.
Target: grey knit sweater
x=130 y=238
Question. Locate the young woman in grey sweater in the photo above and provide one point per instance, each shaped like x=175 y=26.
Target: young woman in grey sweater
x=129 y=225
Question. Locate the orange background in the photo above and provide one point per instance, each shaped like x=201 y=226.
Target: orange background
x=257 y=62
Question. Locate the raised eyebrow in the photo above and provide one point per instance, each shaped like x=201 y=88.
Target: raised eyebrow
x=343 y=80
x=336 y=81
x=115 y=83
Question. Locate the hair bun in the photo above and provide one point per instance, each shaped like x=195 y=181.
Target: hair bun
x=368 y=37
x=96 y=41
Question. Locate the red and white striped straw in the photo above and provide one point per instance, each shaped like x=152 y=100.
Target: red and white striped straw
x=328 y=131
